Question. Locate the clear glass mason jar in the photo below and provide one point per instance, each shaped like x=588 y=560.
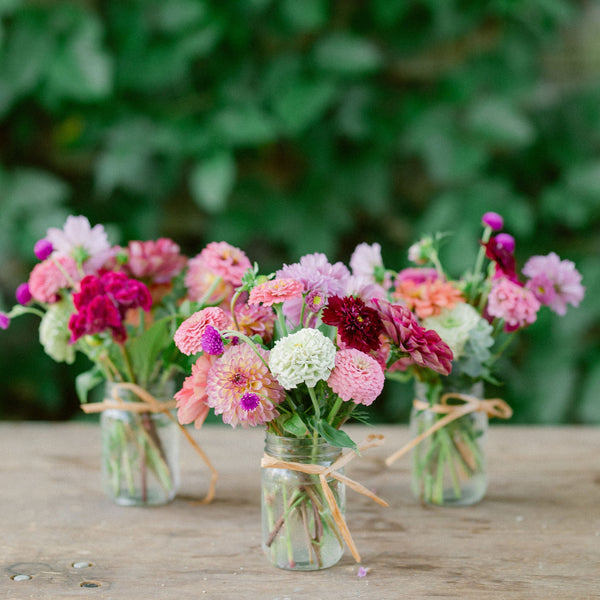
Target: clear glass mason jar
x=140 y=451
x=299 y=531
x=449 y=466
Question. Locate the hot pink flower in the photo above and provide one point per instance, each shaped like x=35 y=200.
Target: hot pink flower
x=188 y=337
x=191 y=398
x=424 y=347
x=500 y=249
x=47 y=279
x=236 y=374
x=512 y=302
x=275 y=291
x=356 y=376
x=555 y=283
x=157 y=261
x=417 y=275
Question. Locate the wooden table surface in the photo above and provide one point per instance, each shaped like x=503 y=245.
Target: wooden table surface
x=535 y=535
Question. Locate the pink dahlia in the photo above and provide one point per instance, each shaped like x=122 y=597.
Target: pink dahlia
x=154 y=261
x=255 y=320
x=510 y=301
x=191 y=398
x=188 y=337
x=219 y=267
x=366 y=262
x=555 y=283
x=316 y=274
x=423 y=347
x=236 y=381
x=417 y=275
x=276 y=291
x=356 y=376
x=47 y=278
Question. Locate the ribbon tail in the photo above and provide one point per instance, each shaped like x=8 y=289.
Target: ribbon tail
x=358 y=487
x=455 y=414
x=339 y=518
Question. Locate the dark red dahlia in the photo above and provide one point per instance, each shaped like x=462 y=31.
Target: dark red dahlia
x=358 y=325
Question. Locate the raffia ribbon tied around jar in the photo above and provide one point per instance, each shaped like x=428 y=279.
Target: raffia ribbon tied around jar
x=373 y=440
x=148 y=403
x=494 y=407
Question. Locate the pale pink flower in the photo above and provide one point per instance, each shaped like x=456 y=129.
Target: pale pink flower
x=555 y=283
x=356 y=376
x=188 y=337
x=366 y=262
x=157 y=261
x=191 y=398
x=316 y=274
x=364 y=288
x=236 y=381
x=47 y=278
x=275 y=291
x=220 y=265
x=512 y=302
x=82 y=242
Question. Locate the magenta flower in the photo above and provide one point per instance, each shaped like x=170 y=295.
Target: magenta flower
x=555 y=283
x=356 y=376
x=102 y=304
x=239 y=372
x=191 y=398
x=211 y=341
x=493 y=220
x=515 y=304
x=188 y=337
x=50 y=276
x=500 y=249
x=358 y=325
x=4 y=320
x=316 y=274
x=23 y=295
x=418 y=275
x=423 y=347
x=154 y=261
x=43 y=249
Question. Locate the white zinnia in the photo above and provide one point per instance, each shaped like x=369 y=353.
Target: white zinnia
x=306 y=356
x=54 y=333
x=454 y=326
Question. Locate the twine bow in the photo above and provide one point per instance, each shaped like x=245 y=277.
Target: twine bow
x=148 y=403
x=494 y=407
x=373 y=440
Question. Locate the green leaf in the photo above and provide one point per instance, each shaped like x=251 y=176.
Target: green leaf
x=145 y=349
x=212 y=180
x=304 y=16
x=333 y=436
x=245 y=125
x=302 y=103
x=86 y=382
x=296 y=426
x=347 y=54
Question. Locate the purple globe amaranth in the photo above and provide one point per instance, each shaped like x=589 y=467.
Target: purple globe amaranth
x=23 y=294
x=43 y=248
x=493 y=220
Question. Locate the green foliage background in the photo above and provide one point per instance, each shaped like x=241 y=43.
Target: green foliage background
x=294 y=126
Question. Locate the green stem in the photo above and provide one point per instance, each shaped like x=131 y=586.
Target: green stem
x=281 y=320
x=233 y=333
x=334 y=410
x=127 y=361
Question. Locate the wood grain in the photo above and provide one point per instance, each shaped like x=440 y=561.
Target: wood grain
x=535 y=535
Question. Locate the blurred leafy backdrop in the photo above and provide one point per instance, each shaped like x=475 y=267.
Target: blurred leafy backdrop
x=294 y=126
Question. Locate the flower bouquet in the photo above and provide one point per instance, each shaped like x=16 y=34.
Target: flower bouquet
x=477 y=315
x=301 y=352
x=120 y=307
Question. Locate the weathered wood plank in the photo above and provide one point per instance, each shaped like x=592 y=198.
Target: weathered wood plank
x=535 y=535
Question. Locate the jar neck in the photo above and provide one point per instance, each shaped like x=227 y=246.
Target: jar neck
x=432 y=393
x=162 y=391
x=302 y=450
